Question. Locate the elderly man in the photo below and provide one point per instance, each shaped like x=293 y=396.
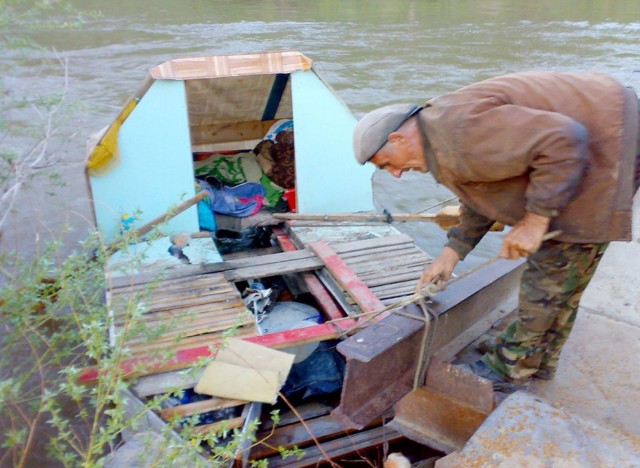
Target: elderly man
x=538 y=151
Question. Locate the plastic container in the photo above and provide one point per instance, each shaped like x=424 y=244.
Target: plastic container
x=290 y=316
x=290 y=197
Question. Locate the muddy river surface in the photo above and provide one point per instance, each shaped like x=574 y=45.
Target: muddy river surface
x=372 y=52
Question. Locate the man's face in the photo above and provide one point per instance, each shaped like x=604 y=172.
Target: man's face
x=400 y=154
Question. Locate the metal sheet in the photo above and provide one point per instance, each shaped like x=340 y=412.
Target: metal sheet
x=382 y=359
x=381 y=365
x=437 y=420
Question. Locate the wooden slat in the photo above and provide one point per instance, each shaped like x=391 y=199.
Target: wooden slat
x=208 y=321
x=187 y=313
x=405 y=254
x=373 y=270
x=343 y=247
x=386 y=277
x=403 y=287
x=381 y=252
x=298 y=434
x=229 y=131
x=363 y=296
x=179 y=285
x=199 y=407
x=342 y=447
x=178 y=307
x=170 y=281
x=200 y=328
x=194 y=270
x=273 y=269
x=190 y=342
x=181 y=302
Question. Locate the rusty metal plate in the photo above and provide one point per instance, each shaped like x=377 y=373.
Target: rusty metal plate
x=381 y=364
x=436 y=420
x=382 y=359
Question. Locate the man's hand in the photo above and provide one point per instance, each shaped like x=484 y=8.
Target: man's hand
x=439 y=271
x=525 y=237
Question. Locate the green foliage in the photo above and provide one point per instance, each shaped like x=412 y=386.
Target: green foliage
x=54 y=316
x=55 y=322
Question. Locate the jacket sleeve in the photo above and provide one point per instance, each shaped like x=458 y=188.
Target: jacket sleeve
x=498 y=142
x=466 y=235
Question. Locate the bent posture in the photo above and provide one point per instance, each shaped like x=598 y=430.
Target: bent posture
x=537 y=151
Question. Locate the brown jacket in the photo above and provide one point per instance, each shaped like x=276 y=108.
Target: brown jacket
x=557 y=144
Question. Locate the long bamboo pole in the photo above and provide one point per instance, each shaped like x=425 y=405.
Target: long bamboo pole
x=447 y=216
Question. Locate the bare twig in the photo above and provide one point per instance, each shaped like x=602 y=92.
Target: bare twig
x=38 y=157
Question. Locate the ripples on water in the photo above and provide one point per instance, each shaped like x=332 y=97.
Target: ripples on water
x=373 y=53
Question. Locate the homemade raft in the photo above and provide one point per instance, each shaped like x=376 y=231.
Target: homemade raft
x=259 y=118
x=347 y=280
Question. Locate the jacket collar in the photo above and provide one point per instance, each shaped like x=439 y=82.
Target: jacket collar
x=432 y=164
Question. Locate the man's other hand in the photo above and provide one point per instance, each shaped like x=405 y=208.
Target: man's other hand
x=439 y=271
x=525 y=237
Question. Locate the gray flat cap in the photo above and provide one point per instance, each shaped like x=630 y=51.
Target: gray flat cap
x=372 y=131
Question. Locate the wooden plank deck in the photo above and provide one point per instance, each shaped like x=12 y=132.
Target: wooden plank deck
x=189 y=310
x=192 y=309
x=388 y=266
x=175 y=310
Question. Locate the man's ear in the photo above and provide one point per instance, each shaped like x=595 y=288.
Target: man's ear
x=395 y=137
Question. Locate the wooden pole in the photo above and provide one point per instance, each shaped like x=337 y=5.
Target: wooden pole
x=445 y=216
x=145 y=228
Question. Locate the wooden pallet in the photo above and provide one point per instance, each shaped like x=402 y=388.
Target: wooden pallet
x=178 y=312
x=388 y=268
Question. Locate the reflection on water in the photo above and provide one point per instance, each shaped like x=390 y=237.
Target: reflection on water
x=372 y=52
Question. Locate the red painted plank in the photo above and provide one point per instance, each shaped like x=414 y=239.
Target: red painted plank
x=317 y=289
x=187 y=357
x=299 y=336
x=347 y=278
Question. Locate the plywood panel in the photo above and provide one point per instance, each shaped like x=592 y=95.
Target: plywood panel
x=154 y=171
x=328 y=178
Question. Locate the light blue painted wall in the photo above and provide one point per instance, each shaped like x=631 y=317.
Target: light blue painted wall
x=155 y=171
x=329 y=180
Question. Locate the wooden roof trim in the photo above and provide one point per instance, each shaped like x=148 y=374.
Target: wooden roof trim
x=217 y=66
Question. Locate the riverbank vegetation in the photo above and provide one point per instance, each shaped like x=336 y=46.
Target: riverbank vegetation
x=54 y=320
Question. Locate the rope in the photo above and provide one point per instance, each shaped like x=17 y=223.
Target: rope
x=427 y=318
x=425 y=345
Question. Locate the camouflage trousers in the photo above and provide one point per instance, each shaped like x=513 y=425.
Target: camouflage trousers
x=550 y=290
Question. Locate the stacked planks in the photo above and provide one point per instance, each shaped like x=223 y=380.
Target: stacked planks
x=389 y=266
x=179 y=313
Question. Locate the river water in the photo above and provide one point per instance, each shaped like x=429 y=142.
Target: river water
x=372 y=52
